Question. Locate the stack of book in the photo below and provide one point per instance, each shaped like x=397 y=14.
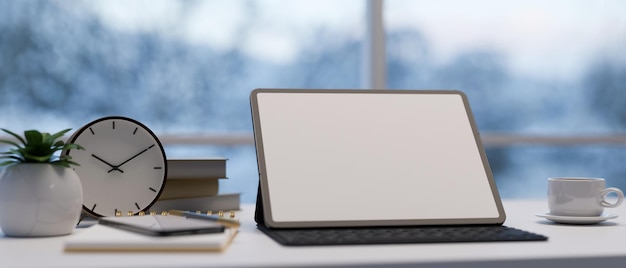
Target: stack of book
x=193 y=185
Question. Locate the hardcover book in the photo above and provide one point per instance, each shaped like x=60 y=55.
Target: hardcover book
x=207 y=168
x=187 y=188
x=224 y=202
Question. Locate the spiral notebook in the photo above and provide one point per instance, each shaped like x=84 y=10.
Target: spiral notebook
x=102 y=238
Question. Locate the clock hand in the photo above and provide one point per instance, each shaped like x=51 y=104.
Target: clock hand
x=133 y=157
x=112 y=166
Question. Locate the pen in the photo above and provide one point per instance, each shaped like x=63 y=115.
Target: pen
x=187 y=214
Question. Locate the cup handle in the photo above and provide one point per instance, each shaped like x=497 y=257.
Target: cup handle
x=620 y=197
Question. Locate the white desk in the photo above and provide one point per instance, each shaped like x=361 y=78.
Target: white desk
x=568 y=246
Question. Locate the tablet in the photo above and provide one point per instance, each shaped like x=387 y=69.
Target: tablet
x=333 y=158
x=162 y=225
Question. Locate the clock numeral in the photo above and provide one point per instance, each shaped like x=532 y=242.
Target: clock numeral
x=113 y=122
x=152 y=189
x=93 y=207
x=137 y=205
x=158 y=167
x=135 y=131
x=92 y=133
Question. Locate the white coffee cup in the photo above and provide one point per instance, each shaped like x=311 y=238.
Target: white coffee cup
x=580 y=197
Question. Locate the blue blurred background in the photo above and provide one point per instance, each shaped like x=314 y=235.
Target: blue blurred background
x=546 y=80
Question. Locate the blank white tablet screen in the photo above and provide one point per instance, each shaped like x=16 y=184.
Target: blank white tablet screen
x=371 y=156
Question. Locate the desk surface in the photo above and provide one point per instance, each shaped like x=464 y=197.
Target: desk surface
x=568 y=246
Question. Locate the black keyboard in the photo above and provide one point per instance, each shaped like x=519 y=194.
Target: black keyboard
x=398 y=235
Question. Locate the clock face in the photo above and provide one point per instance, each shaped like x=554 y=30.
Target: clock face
x=122 y=168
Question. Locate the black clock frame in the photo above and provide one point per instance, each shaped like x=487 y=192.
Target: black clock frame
x=86 y=127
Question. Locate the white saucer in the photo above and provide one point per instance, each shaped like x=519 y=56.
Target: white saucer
x=576 y=220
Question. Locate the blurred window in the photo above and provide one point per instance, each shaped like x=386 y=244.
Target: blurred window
x=184 y=68
x=546 y=80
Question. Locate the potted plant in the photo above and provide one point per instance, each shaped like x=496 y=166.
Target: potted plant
x=40 y=194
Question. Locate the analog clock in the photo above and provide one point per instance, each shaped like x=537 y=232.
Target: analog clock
x=122 y=168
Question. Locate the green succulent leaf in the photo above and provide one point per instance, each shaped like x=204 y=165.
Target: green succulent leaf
x=57 y=135
x=38 y=147
x=11 y=143
x=37 y=159
x=14 y=135
x=33 y=137
x=15 y=158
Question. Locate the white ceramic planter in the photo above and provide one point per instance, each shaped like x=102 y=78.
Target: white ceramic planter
x=39 y=200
